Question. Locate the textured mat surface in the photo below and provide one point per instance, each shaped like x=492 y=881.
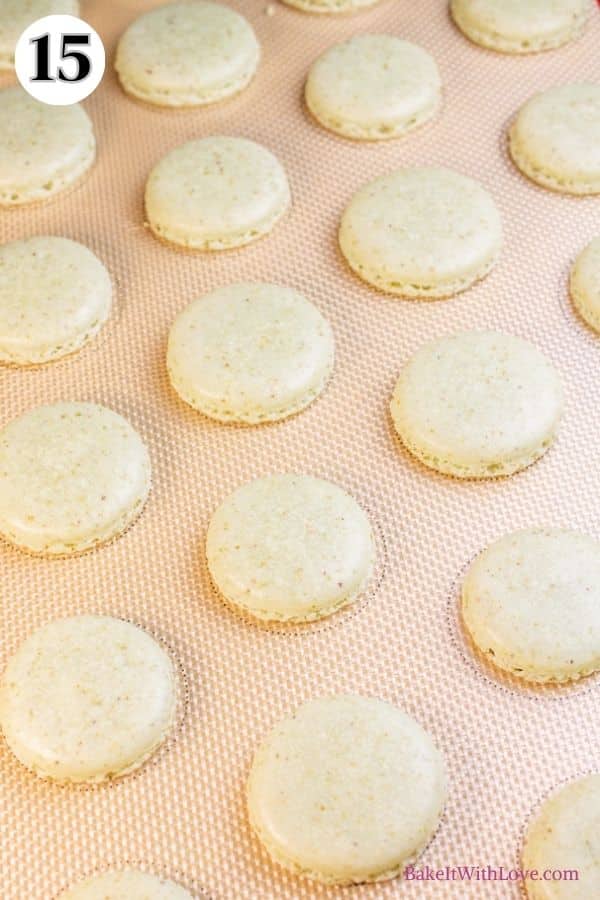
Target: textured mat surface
x=183 y=814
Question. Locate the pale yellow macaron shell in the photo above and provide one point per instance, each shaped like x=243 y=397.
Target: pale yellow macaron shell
x=250 y=353
x=55 y=295
x=555 y=138
x=585 y=283
x=187 y=54
x=330 y=6
x=421 y=233
x=216 y=193
x=531 y=604
x=86 y=699
x=17 y=15
x=290 y=548
x=72 y=476
x=348 y=790
x=43 y=149
x=373 y=87
x=477 y=404
x=127 y=884
x=520 y=26
x=565 y=835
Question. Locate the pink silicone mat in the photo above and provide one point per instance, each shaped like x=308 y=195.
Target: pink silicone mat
x=183 y=814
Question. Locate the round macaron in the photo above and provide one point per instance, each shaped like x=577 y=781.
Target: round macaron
x=187 y=54
x=55 y=296
x=17 y=15
x=250 y=353
x=531 y=604
x=87 y=699
x=555 y=139
x=348 y=790
x=330 y=6
x=216 y=193
x=585 y=284
x=43 y=149
x=290 y=548
x=72 y=476
x=421 y=233
x=373 y=87
x=477 y=404
x=564 y=836
x=520 y=26
x=127 y=884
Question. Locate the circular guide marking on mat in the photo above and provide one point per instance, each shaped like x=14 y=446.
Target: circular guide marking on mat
x=499 y=679
x=60 y=60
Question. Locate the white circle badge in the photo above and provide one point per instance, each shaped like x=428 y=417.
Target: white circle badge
x=60 y=60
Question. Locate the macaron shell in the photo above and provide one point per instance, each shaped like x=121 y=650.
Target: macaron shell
x=421 y=233
x=72 y=476
x=216 y=193
x=187 y=54
x=43 y=149
x=565 y=835
x=348 y=790
x=478 y=404
x=585 y=284
x=55 y=295
x=531 y=604
x=250 y=353
x=555 y=139
x=373 y=87
x=290 y=548
x=86 y=699
x=520 y=26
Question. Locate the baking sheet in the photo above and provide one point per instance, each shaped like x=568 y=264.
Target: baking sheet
x=506 y=747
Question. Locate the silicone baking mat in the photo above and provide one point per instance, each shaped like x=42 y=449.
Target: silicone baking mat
x=183 y=814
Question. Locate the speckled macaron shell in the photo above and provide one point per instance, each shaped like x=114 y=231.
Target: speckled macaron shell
x=421 y=233
x=216 y=193
x=520 y=26
x=43 y=149
x=55 y=295
x=290 y=548
x=348 y=790
x=187 y=54
x=565 y=835
x=477 y=404
x=555 y=139
x=127 y=884
x=17 y=15
x=373 y=87
x=330 y=6
x=87 y=699
x=72 y=476
x=531 y=604
x=250 y=353
x=585 y=284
